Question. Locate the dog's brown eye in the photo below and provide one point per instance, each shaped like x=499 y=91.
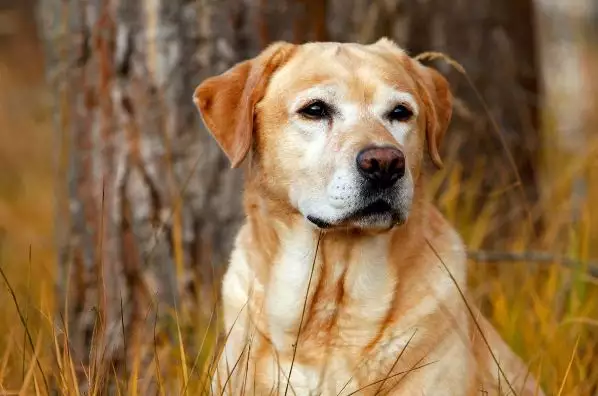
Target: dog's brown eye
x=315 y=110
x=400 y=113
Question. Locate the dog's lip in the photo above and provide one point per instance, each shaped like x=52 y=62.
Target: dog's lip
x=319 y=222
x=376 y=208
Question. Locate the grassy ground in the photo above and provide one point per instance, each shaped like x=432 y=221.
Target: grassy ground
x=26 y=202
x=546 y=311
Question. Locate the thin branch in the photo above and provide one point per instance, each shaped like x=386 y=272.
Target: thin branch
x=24 y=323
x=395 y=363
x=473 y=318
x=156 y=355
x=405 y=372
x=302 y=314
x=484 y=256
x=26 y=315
x=569 y=367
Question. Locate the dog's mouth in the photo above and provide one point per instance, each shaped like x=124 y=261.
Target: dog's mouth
x=378 y=211
x=378 y=207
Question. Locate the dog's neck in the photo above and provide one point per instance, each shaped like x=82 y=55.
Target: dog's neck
x=290 y=257
x=270 y=219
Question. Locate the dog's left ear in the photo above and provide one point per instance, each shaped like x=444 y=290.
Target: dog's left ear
x=227 y=102
x=435 y=93
x=438 y=101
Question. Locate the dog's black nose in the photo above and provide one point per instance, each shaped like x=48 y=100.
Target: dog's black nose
x=382 y=166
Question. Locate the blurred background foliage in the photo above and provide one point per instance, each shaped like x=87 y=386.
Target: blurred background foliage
x=117 y=209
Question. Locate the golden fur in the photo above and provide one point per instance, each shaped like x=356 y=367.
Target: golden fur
x=358 y=307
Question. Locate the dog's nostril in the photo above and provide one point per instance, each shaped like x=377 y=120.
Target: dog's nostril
x=382 y=166
x=374 y=165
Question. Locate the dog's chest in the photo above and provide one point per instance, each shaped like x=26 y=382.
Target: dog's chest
x=336 y=294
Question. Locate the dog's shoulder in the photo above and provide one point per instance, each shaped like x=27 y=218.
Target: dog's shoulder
x=442 y=236
x=437 y=224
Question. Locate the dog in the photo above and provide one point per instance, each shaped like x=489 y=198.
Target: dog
x=344 y=279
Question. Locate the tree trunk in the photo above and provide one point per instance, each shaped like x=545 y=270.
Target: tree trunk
x=152 y=203
x=152 y=206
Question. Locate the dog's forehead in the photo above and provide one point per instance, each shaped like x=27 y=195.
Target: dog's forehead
x=364 y=67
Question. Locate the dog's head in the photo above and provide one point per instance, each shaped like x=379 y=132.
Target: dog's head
x=336 y=130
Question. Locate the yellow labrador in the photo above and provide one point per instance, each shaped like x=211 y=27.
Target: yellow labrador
x=343 y=279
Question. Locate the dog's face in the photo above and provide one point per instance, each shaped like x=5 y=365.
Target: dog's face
x=337 y=130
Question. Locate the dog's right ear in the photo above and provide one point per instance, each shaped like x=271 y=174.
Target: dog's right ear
x=227 y=102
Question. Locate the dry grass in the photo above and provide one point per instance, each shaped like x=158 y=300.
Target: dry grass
x=546 y=311
x=26 y=211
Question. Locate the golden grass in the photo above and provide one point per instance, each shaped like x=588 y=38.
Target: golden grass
x=547 y=312
x=26 y=214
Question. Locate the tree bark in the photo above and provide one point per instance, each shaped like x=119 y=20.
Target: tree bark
x=152 y=203
x=152 y=206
